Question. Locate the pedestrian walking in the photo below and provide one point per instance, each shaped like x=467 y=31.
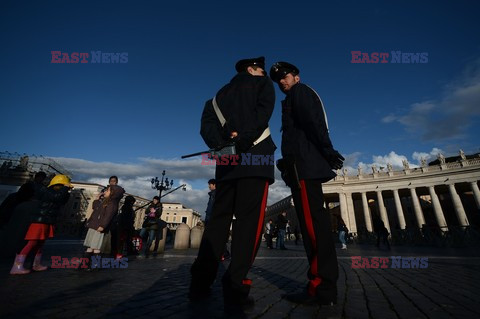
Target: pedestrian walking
x=382 y=233
x=281 y=226
x=308 y=160
x=342 y=232
x=211 y=199
x=296 y=233
x=239 y=113
x=269 y=233
x=288 y=230
x=44 y=219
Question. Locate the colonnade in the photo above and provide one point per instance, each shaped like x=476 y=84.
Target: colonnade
x=404 y=192
x=348 y=213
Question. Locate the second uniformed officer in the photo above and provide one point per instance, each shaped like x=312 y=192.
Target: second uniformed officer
x=240 y=113
x=308 y=160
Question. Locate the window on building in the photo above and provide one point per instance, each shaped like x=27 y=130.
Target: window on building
x=174 y=218
x=166 y=219
x=184 y=220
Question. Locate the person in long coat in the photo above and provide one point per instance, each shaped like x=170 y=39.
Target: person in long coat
x=99 y=222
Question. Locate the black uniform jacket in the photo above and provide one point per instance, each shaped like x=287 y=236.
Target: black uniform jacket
x=305 y=133
x=50 y=204
x=247 y=104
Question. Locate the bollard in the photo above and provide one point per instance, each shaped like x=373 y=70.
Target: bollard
x=196 y=236
x=182 y=237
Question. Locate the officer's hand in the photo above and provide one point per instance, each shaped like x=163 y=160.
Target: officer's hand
x=335 y=159
x=241 y=145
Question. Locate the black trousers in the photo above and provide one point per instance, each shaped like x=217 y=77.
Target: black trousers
x=317 y=236
x=247 y=199
x=268 y=239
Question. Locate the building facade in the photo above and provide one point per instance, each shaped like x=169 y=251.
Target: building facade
x=173 y=214
x=442 y=194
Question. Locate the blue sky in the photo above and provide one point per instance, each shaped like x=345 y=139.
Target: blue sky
x=136 y=119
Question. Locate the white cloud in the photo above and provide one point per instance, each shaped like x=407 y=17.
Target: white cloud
x=381 y=161
x=448 y=117
x=392 y=158
x=389 y=118
x=136 y=177
x=431 y=156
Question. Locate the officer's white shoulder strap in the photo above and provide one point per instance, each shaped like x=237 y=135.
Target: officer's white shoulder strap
x=323 y=108
x=265 y=134
x=218 y=112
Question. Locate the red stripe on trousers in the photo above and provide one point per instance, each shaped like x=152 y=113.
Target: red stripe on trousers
x=311 y=234
x=260 y=220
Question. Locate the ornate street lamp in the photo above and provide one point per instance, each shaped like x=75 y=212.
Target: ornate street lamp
x=161 y=185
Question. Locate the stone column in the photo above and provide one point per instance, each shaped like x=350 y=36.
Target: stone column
x=476 y=193
x=343 y=208
x=352 y=225
x=457 y=204
x=383 y=210
x=398 y=207
x=417 y=208
x=366 y=213
x=437 y=208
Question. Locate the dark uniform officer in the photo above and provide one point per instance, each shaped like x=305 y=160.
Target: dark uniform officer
x=247 y=104
x=308 y=160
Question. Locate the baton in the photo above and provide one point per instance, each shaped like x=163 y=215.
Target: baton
x=196 y=154
x=225 y=149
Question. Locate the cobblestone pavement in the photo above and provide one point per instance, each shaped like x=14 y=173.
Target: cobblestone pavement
x=157 y=287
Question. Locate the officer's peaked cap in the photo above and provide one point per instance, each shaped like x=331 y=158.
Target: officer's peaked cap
x=280 y=69
x=245 y=63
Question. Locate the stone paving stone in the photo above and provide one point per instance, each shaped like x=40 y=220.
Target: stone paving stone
x=377 y=303
x=446 y=298
x=157 y=287
x=432 y=295
x=402 y=306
